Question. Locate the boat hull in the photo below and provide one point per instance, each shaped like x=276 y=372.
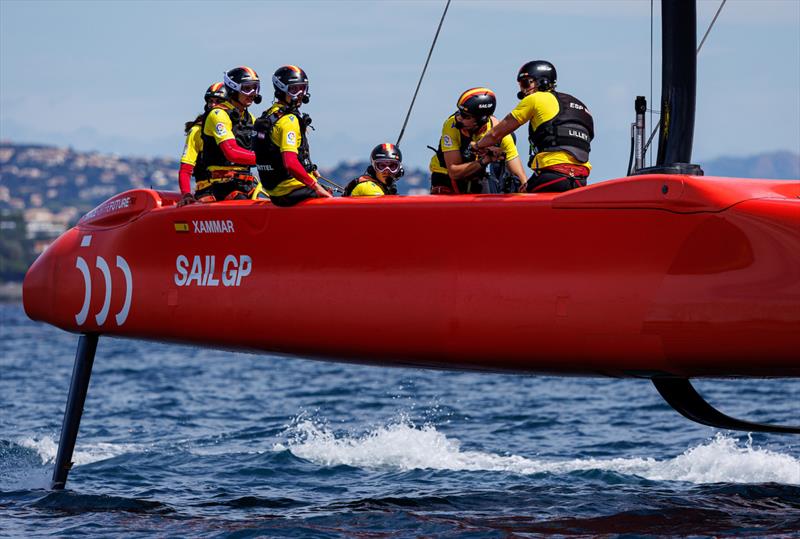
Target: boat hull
x=646 y=276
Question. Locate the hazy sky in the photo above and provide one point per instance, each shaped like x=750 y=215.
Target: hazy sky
x=123 y=76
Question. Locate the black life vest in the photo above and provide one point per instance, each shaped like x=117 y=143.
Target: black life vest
x=242 y=127
x=269 y=161
x=369 y=176
x=571 y=130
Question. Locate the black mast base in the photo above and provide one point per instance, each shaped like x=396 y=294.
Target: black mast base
x=675 y=168
x=684 y=398
x=81 y=373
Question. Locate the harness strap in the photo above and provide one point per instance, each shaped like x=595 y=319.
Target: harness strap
x=573 y=171
x=576 y=174
x=223 y=176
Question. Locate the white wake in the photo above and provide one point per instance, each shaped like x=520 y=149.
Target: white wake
x=404 y=446
x=47 y=448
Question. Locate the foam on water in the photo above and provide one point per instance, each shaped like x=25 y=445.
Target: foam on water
x=405 y=446
x=47 y=448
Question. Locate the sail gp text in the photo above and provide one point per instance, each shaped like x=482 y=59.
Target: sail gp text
x=203 y=270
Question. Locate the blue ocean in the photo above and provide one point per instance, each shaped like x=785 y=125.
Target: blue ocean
x=182 y=442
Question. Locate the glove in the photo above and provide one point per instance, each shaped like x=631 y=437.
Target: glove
x=511 y=185
x=186 y=199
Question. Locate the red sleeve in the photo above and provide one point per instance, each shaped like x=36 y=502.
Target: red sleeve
x=297 y=171
x=236 y=154
x=185 y=178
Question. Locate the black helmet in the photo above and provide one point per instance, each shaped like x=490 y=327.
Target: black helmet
x=387 y=158
x=291 y=81
x=542 y=71
x=243 y=80
x=478 y=103
x=216 y=91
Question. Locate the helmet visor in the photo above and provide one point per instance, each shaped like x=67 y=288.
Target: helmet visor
x=297 y=89
x=391 y=166
x=250 y=88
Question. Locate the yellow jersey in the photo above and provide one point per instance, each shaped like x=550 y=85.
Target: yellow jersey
x=453 y=139
x=368 y=188
x=537 y=108
x=193 y=145
x=218 y=128
x=287 y=137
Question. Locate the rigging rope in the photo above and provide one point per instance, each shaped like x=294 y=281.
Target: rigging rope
x=702 y=41
x=710 y=26
x=408 y=114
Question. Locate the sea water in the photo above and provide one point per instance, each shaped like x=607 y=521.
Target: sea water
x=178 y=441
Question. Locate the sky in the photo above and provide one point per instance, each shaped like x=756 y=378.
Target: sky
x=124 y=76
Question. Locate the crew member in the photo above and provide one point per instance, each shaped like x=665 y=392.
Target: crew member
x=281 y=145
x=560 y=131
x=193 y=148
x=455 y=168
x=227 y=140
x=386 y=167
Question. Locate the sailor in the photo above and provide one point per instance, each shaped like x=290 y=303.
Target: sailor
x=560 y=131
x=227 y=140
x=455 y=168
x=193 y=148
x=385 y=168
x=281 y=146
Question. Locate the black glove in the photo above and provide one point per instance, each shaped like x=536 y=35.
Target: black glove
x=511 y=184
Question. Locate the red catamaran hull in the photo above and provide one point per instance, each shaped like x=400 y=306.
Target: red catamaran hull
x=641 y=276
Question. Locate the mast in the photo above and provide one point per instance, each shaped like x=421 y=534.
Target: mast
x=678 y=81
x=678 y=89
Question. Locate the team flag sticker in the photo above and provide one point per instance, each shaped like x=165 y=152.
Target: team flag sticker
x=181 y=227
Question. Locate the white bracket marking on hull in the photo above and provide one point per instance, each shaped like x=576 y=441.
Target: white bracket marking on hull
x=80 y=263
x=101 y=264
x=122 y=315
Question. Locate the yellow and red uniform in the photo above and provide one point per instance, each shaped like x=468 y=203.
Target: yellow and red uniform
x=538 y=108
x=287 y=136
x=453 y=139
x=217 y=128
x=193 y=146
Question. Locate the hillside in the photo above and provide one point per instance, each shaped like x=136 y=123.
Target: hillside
x=774 y=165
